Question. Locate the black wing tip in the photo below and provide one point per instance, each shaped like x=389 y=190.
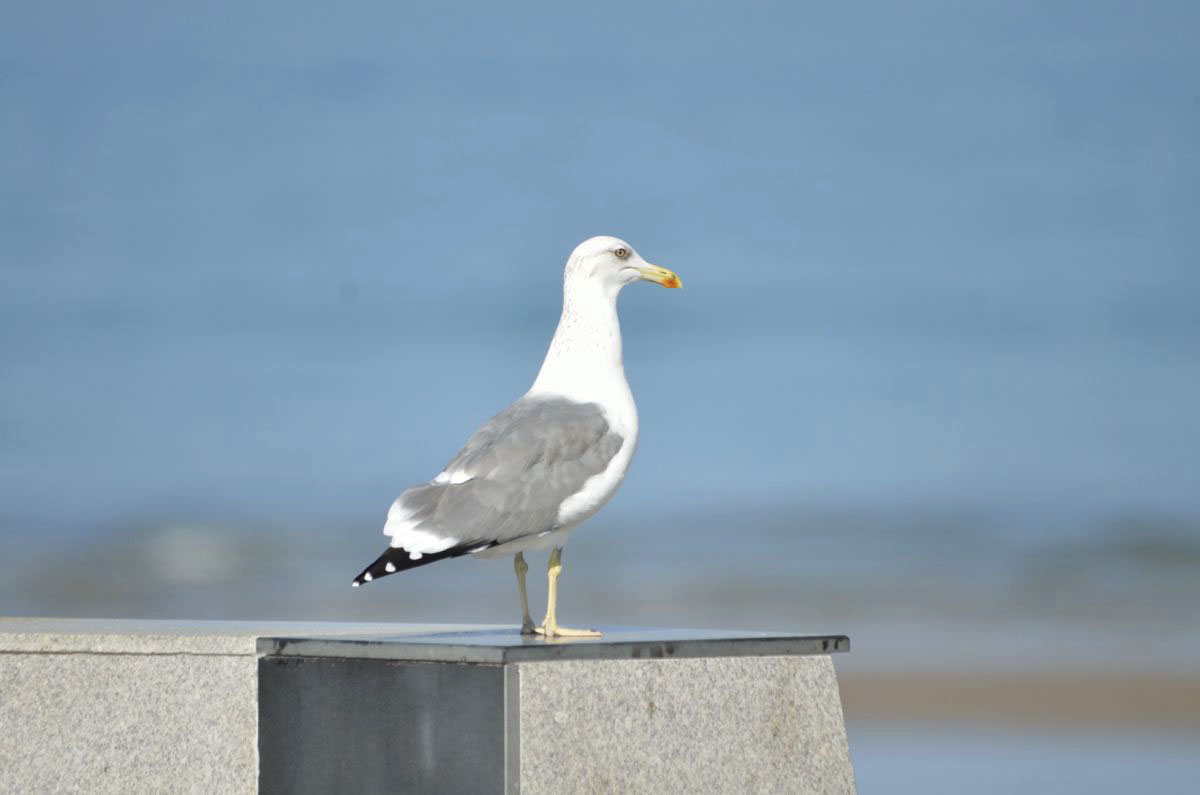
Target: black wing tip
x=377 y=569
x=398 y=559
x=384 y=565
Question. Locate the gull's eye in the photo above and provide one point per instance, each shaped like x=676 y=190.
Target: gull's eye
x=622 y=253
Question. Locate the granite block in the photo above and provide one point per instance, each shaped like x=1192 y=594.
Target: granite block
x=165 y=706
x=634 y=711
x=122 y=723
x=732 y=724
x=122 y=706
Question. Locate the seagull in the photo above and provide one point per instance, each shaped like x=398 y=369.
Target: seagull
x=548 y=462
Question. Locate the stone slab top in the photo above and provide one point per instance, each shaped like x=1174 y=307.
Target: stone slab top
x=505 y=644
x=463 y=643
x=139 y=636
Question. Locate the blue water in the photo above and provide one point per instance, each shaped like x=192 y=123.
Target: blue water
x=936 y=356
x=939 y=762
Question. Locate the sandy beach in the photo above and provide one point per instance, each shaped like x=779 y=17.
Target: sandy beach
x=1068 y=699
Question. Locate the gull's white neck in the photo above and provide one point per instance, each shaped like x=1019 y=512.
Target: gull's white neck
x=584 y=362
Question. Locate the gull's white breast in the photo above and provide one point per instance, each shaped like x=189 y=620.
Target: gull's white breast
x=621 y=413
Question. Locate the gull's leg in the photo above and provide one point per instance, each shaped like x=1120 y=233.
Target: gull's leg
x=521 y=566
x=550 y=627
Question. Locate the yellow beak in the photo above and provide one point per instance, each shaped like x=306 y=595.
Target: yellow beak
x=653 y=273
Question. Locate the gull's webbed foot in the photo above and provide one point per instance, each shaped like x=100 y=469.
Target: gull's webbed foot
x=553 y=630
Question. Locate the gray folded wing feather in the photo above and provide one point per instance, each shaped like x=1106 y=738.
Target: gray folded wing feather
x=515 y=473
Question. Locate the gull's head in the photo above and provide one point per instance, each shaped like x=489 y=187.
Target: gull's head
x=612 y=263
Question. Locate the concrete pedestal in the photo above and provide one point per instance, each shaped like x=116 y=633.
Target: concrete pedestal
x=239 y=707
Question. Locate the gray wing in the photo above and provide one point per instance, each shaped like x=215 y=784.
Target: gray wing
x=514 y=473
x=506 y=483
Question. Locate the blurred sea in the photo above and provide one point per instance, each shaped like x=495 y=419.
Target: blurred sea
x=932 y=380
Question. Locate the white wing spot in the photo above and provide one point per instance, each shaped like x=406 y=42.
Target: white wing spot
x=456 y=477
x=390 y=567
x=367 y=577
x=415 y=556
x=355 y=584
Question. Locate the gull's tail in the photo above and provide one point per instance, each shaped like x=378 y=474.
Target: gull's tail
x=396 y=559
